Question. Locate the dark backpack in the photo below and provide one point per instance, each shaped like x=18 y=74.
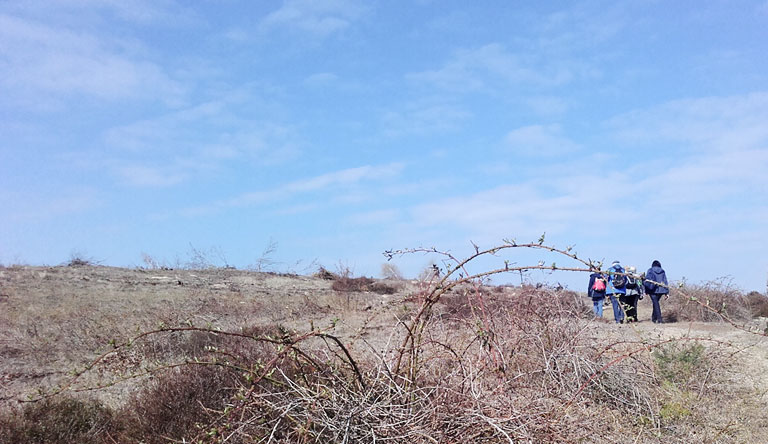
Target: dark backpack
x=631 y=283
x=619 y=281
x=650 y=287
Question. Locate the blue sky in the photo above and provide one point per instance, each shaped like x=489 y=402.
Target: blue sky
x=338 y=129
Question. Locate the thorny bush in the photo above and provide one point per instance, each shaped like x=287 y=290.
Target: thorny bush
x=472 y=365
x=711 y=301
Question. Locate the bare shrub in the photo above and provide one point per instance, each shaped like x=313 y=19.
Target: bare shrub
x=63 y=420
x=265 y=262
x=323 y=273
x=350 y=284
x=391 y=271
x=80 y=259
x=343 y=281
x=470 y=363
x=177 y=402
x=200 y=259
x=708 y=302
x=758 y=304
x=150 y=263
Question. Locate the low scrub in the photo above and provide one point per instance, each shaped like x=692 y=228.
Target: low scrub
x=466 y=362
x=709 y=302
x=60 y=420
x=362 y=284
x=758 y=304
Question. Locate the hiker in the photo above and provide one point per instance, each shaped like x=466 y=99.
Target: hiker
x=634 y=294
x=596 y=291
x=655 y=285
x=617 y=287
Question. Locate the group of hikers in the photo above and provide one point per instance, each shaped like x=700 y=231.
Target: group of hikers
x=625 y=288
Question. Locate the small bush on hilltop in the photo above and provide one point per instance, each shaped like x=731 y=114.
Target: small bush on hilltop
x=344 y=282
x=391 y=272
x=362 y=284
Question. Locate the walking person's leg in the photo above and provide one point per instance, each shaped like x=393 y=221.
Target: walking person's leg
x=627 y=303
x=635 y=298
x=656 y=316
x=597 y=307
x=618 y=312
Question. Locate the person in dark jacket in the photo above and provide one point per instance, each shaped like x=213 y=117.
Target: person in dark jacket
x=634 y=293
x=597 y=295
x=656 y=286
x=617 y=288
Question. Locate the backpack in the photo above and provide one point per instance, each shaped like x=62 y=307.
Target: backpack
x=599 y=285
x=631 y=283
x=650 y=287
x=619 y=281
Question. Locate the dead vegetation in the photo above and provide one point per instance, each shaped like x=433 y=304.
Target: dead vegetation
x=461 y=361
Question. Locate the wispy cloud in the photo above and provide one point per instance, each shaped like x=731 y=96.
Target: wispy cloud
x=320 y=18
x=204 y=138
x=547 y=105
x=321 y=79
x=40 y=61
x=490 y=67
x=339 y=181
x=539 y=140
x=423 y=117
x=24 y=207
x=148 y=176
x=715 y=156
x=141 y=12
x=725 y=123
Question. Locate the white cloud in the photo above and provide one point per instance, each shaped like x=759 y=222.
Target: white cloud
x=24 y=207
x=339 y=181
x=40 y=60
x=318 y=17
x=539 y=140
x=724 y=123
x=492 y=67
x=509 y=210
x=424 y=117
x=203 y=139
x=142 y=12
x=147 y=176
x=547 y=105
x=376 y=218
x=702 y=150
x=320 y=79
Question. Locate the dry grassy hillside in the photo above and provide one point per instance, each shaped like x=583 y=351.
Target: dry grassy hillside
x=223 y=355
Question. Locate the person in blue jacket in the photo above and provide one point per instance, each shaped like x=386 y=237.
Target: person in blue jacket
x=597 y=292
x=656 y=285
x=617 y=287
